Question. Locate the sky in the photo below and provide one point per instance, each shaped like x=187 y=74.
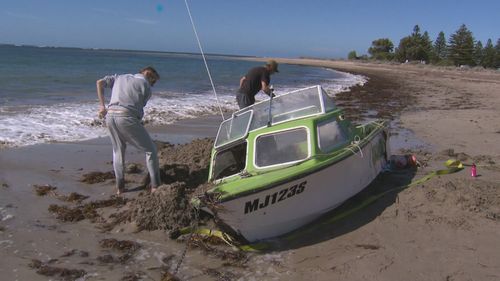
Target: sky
x=282 y=28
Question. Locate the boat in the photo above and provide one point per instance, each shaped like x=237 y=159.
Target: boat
x=283 y=162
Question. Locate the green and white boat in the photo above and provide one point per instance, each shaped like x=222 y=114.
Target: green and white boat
x=281 y=163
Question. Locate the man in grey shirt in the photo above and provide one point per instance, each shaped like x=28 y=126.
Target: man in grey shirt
x=129 y=95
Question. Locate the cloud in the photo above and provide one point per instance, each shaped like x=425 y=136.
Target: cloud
x=123 y=15
x=143 y=21
x=22 y=16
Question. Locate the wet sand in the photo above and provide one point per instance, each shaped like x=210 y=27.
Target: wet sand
x=444 y=229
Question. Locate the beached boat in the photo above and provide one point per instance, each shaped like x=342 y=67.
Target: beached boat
x=283 y=162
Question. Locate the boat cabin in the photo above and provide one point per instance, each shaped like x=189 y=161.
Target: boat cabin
x=276 y=133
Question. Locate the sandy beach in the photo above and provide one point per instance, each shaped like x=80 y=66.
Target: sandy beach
x=445 y=229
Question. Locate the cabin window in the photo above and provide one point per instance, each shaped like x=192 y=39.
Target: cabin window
x=330 y=135
x=281 y=147
x=230 y=161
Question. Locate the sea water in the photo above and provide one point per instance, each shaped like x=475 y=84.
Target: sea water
x=49 y=94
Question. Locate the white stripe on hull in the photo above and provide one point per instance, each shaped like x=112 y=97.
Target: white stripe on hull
x=286 y=207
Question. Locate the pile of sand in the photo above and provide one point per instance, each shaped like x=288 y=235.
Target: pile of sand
x=184 y=171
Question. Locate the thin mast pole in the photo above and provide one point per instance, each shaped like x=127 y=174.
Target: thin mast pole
x=204 y=60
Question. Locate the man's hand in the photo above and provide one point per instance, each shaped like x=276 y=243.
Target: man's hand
x=100 y=95
x=102 y=112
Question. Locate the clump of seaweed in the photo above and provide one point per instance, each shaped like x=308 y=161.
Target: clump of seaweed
x=63 y=273
x=97 y=177
x=42 y=190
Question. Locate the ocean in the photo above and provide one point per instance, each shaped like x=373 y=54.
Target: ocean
x=49 y=94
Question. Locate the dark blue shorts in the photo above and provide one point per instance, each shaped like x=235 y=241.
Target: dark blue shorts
x=243 y=100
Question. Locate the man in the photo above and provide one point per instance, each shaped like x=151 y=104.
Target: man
x=129 y=95
x=257 y=79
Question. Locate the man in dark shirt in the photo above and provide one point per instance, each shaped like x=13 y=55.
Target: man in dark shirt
x=257 y=79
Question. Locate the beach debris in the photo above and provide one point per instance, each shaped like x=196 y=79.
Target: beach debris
x=168 y=208
x=5 y=185
x=127 y=247
x=120 y=245
x=68 y=214
x=215 y=247
x=5 y=144
x=115 y=219
x=97 y=123
x=188 y=163
x=473 y=170
x=484 y=159
x=133 y=276
x=42 y=190
x=220 y=274
x=184 y=172
x=398 y=162
x=62 y=273
x=133 y=168
x=97 y=177
x=493 y=216
x=73 y=252
x=450 y=152
x=73 y=197
x=86 y=211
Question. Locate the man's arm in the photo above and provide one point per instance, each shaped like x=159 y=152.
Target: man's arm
x=100 y=95
x=242 y=80
x=265 y=88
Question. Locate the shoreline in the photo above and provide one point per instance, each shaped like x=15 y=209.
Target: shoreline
x=444 y=229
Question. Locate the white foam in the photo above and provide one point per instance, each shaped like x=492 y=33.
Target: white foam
x=27 y=125
x=4 y=215
x=38 y=124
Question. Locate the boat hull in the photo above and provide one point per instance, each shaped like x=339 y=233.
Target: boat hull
x=280 y=209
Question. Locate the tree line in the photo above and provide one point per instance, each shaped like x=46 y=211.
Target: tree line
x=461 y=49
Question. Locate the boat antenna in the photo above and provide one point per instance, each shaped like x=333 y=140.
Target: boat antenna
x=204 y=60
x=269 y=117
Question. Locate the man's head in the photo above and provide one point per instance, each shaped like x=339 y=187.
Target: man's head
x=150 y=74
x=272 y=65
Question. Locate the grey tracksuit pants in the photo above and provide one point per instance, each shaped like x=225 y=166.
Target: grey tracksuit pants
x=125 y=129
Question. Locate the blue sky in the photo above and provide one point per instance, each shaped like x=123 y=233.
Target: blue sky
x=285 y=28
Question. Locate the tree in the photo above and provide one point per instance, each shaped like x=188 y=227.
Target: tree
x=414 y=47
x=497 y=57
x=426 y=45
x=402 y=53
x=381 y=49
x=352 y=55
x=489 y=55
x=414 y=50
x=479 y=53
x=461 y=47
x=440 y=47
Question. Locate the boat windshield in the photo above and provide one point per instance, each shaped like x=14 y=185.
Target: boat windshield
x=293 y=105
x=234 y=128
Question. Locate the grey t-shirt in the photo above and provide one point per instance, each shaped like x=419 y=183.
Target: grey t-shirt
x=129 y=91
